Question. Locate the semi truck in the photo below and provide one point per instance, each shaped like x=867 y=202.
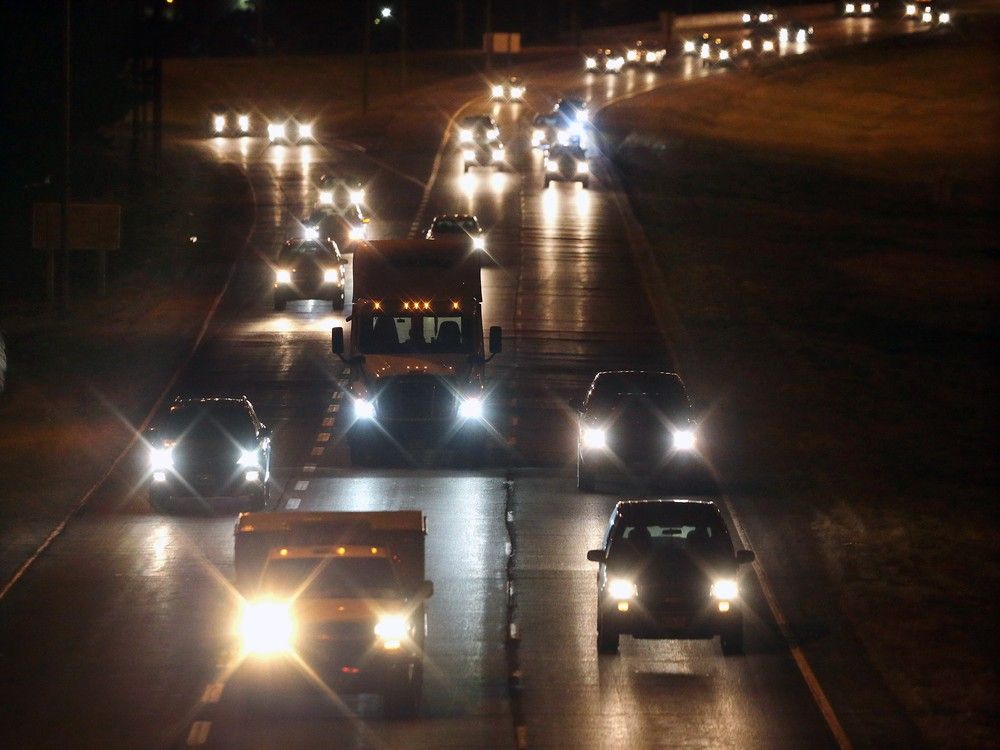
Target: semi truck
x=335 y=601
x=415 y=351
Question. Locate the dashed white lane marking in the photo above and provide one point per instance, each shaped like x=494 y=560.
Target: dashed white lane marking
x=302 y=484
x=213 y=692
x=318 y=450
x=331 y=408
x=323 y=437
x=309 y=468
x=337 y=395
x=199 y=733
x=293 y=503
x=328 y=422
x=347 y=371
x=522 y=736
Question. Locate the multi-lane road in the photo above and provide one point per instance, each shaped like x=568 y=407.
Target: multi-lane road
x=121 y=633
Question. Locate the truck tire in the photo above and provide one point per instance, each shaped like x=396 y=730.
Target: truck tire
x=607 y=639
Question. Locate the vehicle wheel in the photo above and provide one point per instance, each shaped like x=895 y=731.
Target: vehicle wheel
x=585 y=479
x=585 y=183
x=607 y=640
x=279 y=304
x=732 y=641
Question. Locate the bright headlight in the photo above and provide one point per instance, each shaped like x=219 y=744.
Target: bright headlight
x=492 y=134
x=305 y=131
x=161 y=458
x=497 y=154
x=464 y=135
x=591 y=63
x=705 y=51
x=724 y=54
x=927 y=17
x=243 y=123
x=768 y=45
x=725 y=588
x=536 y=136
x=392 y=630
x=267 y=627
x=594 y=438
x=283 y=276
x=470 y=408
x=364 y=409
x=650 y=57
x=517 y=92
x=747 y=44
x=468 y=154
x=478 y=243
x=747 y=18
x=911 y=10
x=764 y=18
x=689 y=46
x=310 y=233
x=866 y=8
x=219 y=123
x=331 y=276
x=800 y=36
x=357 y=233
x=562 y=137
x=684 y=440
x=550 y=165
x=849 y=8
x=782 y=35
x=616 y=63
x=356 y=196
x=632 y=55
x=621 y=589
x=249 y=458
x=497 y=91
x=944 y=18
x=326 y=197
x=582 y=167
x=276 y=131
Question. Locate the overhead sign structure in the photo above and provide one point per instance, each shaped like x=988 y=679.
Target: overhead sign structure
x=503 y=42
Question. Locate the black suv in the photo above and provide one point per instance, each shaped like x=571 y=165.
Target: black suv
x=668 y=570
x=309 y=269
x=209 y=449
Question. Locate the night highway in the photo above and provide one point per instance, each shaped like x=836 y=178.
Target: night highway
x=119 y=627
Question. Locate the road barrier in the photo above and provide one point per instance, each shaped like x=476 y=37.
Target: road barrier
x=735 y=18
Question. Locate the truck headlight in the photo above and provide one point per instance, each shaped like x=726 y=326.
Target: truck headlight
x=276 y=131
x=464 y=135
x=723 y=54
x=267 y=627
x=595 y=438
x=283 y=276
x=866 y=8
x=161 y=458
x=849 y=8
x=478 y=243
x=356 y=196
x=311 y=233
x=725 y=588
x=249 y=458
x=219 y=123
x=470 y=408
x=243 y=123
x=582 y=167
x=468 y=154
x=591 y=63
x=305 y=131
x=331 y=276
x=364 y=409
x=326 y=197
x=497 y=92
x=621 y=589
x=944 y=18
x=517 y=92
x=684 y=440
x=392 y=630
x=356 y=234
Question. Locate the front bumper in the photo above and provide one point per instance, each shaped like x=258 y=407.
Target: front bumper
x=310 y=290
x=678 y=463
x=700 y=620
x=207 y=486
x=345 y=671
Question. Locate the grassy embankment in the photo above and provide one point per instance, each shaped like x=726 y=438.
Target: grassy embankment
x=828 y=236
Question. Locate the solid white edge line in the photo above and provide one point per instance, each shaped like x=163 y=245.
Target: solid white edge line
x=644 y=257
x=149 y=416
x=198 y=734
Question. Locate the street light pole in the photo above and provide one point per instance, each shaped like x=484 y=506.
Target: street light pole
x=63 y=303
x=403 y=39
x=365 y=53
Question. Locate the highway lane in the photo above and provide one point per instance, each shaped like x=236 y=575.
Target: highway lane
x=120 y=634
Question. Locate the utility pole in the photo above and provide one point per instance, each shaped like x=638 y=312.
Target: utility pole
x=365 y=54
x=403 y=39
x=63 y=303
x=157 y=87
x=489 y=35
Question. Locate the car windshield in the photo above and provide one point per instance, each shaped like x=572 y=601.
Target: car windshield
x=313 y=251
x=214 y=421
x=384 y=333
x=701 y=536
x=666 y=393
x=456 y=226
x=330 y=577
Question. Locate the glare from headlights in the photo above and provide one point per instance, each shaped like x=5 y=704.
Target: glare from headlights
x=283 y=276
x=706 y=51
x=219 y=123
x=492 y=134
x=764 y=18
x=562 y=137
x=356 y=196
x=267 y=627
x=392 y=630
x=497 y=154
x=866 y=8
x=276 y=131
x=747 y=44
x=470 y=408
x=684 y=440
x=783 y=35
x=927 y=17
x=249 y=458
x=632 y=55
x=326 y=197
x=310 y=233
x=582 y=167
x=689 y=46
x=305 y=131
x=243 y=123
x=252 y=476
x=650 y=57
x=331 y=276
x=725 y=588
x=621 y=589
x=159 y=476
x=595 y=438
x=591 y=63
x=161 y=458
x=849 y=8
x=497 y=91
x=464 y=135
x=468 y=154
x=517 y=92
x=551 y=165
x=800 y=36
x=478 y=243
x=944 y=18
x=364 y=409
x=724 y=54
x=911 y=10
x=768 y=45
x=746 y=18
x=358 y=233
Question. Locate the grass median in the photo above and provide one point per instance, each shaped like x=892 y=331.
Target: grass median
x=828 y=235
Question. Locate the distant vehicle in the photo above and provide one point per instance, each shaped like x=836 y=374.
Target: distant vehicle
x=345 y=226
x=309 y=269
x=763 y=40
x=716 y=52
x=693 y=47
x=418 y=366
x=488 y=154
x=936 y=14
x=229 y=122
x=512 y=90
x=567 y=164
x=915 y=8
x=290 y=131
x=209 y=450
x=340 y=191
x=650 y=54
x=569 y=110
x=604 y=60
x=457 y=226
x=340 y=597
x=3 y=363
x=795 y=31
x=857 y=8
x=757 y=16
x=638 y=422
x=477 y=130
x=543 y=130
x=668 y=569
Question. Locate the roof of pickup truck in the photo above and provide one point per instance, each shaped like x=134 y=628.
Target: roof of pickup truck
x=278 y=521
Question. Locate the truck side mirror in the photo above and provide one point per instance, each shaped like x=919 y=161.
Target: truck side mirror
x=745 y=556
x=426 y=590
x=337 y=341
x=595 y=555
x=576 y=404
x=496 y=339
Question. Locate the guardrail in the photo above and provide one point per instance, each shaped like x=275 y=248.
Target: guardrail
x=735 y=18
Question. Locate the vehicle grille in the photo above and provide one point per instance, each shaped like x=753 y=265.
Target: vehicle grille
x=416 y=398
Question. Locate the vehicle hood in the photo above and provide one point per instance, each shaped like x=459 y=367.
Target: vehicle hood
x=316 y=611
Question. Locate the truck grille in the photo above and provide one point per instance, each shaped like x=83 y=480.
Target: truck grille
x=416 y=398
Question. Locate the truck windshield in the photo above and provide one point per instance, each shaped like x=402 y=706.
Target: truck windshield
x=330 y=578
x=385 y=333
